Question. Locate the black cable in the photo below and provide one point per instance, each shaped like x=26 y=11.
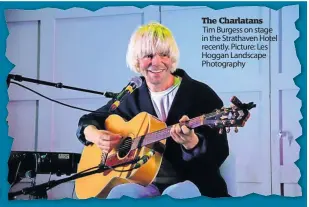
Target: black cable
x=15 y=180
x=73 y=190
x=128 y=170
x=75 y=108
x=57 y=101
x=112 y=168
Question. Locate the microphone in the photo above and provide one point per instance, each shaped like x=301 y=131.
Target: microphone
x=144 y=159
x=135 y=83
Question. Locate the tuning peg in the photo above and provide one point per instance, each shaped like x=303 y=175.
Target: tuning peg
x=236 y=130
x=228 y=129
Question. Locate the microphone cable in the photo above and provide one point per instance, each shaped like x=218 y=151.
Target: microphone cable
x=138 y=162
x=67 y=105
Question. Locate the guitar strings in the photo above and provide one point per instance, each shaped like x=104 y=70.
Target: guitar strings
x=192 y=121
x=127 y=146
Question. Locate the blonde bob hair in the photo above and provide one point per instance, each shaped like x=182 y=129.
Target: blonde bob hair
x=152 y=38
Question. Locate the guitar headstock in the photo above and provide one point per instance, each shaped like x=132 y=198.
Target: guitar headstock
x=235 y=116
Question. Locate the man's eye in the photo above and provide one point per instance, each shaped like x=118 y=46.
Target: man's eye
x=149 y=56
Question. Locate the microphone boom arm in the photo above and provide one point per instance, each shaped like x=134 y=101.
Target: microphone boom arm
x=57 y=85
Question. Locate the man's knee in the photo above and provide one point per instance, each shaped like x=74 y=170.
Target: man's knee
x=127 y=189
x=132 y=190
x=185 y=189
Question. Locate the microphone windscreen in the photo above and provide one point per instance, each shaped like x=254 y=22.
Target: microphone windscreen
x=137 y=81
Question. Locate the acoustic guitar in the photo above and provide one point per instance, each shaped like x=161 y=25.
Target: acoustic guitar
x=139 y=154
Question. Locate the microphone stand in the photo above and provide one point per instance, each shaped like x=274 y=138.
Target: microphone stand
x=40 y=191
x=57 y=85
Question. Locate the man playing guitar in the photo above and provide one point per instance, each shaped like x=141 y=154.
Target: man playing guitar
x=192 y=157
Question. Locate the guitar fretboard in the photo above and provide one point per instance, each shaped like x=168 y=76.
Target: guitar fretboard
x=165 y=133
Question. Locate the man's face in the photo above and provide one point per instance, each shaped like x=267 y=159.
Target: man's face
x=156 y=69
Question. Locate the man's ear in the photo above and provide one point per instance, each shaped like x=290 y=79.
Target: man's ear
x=137 y=66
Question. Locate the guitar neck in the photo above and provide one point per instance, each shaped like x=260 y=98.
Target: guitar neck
x=165 y=133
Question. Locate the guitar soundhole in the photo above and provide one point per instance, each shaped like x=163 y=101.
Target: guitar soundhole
x=125 y=147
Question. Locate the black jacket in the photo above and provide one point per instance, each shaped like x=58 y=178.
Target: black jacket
x=193 y=99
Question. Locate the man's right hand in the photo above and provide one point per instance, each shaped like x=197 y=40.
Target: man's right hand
x=105 y=140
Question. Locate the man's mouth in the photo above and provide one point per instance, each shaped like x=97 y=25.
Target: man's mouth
x=156 y=71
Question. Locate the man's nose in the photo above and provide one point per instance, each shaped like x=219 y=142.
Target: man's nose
x=156 y=60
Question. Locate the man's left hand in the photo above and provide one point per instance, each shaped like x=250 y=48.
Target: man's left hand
x=183 y=135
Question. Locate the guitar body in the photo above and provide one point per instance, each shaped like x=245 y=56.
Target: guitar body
x=100 y=184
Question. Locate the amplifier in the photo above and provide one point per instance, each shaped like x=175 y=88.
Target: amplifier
x=27 y=164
